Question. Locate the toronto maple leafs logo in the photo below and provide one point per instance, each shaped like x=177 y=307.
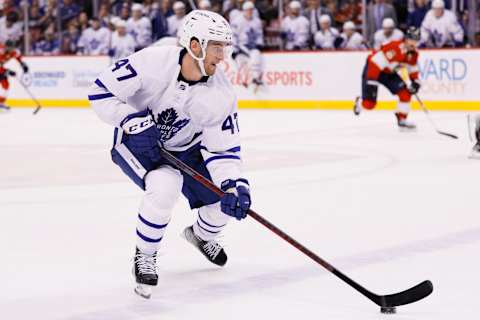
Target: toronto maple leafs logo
x=168 y=125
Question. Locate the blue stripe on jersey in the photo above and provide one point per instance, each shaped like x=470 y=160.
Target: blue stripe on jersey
x=198 y=224
x=234 y=149
x=208 y=224
x=100 y=84
x=244 y=181
x=153 y=225
x=147 y=239
x=100 y=96
x=227 y=156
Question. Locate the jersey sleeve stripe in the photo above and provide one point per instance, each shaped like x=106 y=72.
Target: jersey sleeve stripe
x=100 y=84
x=227 y=156
x=100 y=96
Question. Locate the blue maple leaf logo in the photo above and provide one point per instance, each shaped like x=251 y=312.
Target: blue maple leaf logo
x=168 y=125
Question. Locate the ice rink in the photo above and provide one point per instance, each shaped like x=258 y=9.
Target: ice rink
x=389 y=209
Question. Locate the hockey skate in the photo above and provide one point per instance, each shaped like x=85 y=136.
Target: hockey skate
x=145 y=272
x=403 y=124
x=212 y=250
x=357 y=106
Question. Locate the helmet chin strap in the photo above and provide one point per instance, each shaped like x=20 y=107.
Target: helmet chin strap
x=200 y=60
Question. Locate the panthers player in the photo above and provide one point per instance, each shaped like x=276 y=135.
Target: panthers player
x=381 y=68
x=7 y=52
x=177 y=97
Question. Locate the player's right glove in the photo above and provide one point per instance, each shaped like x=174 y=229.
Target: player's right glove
x=414 y=87
x=236 y=200
x=142 y=134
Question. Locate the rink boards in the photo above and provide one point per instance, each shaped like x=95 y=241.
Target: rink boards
x=299 y=80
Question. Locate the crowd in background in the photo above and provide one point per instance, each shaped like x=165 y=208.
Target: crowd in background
x=117 y=27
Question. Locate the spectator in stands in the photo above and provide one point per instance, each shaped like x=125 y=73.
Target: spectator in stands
x=204 y=5
x=326 y=36
x=236 y=10
x=139 y=27
x=350 y=10
x=123 y=43
x=73 y=35
x=34 y=15
x=388 y=33
x=159 y=22
x=104 y=15
x=350 y=39
x=313 y=13
x=10 y=27
x=94 y=40
x=83 y=23
x=125 y=12
x=440 y=28
x=68 y=11
x=295 y=28
x=376 y=13
x=416 y=17
x=176 y=20
x=49 y=46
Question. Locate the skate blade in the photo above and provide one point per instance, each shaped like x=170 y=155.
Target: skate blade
x=404 y=129
x=474 y=156
x=143 y=290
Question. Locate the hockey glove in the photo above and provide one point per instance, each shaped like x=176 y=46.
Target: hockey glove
x=11 y=73
x=142 y=134
x=236 y=200
x=25 y=68
x=414 y=87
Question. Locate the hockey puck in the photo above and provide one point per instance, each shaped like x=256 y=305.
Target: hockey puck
x=388 y=310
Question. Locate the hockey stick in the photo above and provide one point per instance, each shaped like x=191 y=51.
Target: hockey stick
x=39 y=106
x=386 y=302
x=427 y=113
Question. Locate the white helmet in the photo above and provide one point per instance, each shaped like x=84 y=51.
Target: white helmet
x=204 y=26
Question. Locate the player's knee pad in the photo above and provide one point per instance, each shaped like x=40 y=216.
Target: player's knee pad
x=404 y=95
x=162 y=188
x=368 y=104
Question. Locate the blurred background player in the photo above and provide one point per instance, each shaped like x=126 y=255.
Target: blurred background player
x=139 y=27
x=381 y=68
x=176 y=20
x=179 y=98
x=204 y=5
x=476 y=148
x=377 y=11
x=94 y=40
x=325 y=38
x=440 y=28
x=387 y=34
x=350 y=39
x=295 y=28
x=248 y=41
x=123 y=43
x=7 y=52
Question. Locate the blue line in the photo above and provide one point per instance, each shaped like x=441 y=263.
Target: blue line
x=147 y=239
x=227 y=156
x=208 y=224
x=100 y=84
x=100 y=96
x=207 y=229
x=153 y=225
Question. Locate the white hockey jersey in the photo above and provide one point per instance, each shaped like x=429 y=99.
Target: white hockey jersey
x=95 y=42
x=325 y=39
x=355 y=42
x=379 y=38
x=247 y=33
x=141 y=31
x=441 y=32
x=297 y=32
x=122 y=46
x=185 y=114
x=174 y=23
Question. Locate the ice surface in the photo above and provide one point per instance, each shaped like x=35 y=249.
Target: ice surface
x=390 y=209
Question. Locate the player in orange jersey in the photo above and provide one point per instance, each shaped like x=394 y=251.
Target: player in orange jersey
x=381 y=68
x=7 y=52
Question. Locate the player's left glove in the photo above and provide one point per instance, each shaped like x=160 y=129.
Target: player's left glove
x=11 y=73
x=24 y=67
x=236 y=200
x=142 y=134
x=414 y=87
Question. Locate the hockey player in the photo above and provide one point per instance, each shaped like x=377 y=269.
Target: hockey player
x=179 y=98
x=381 y=68
x=123 y=43
x=139 y=27
x=176 y=20
x=7 y=52
x=440 y=27
x=295 y=28
x=248 y=40
x=94 y=40
x=387 y=34
x=326 y=36
x=350 y=39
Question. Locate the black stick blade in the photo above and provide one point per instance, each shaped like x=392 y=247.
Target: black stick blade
x=411 y=295
x=448 y=134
